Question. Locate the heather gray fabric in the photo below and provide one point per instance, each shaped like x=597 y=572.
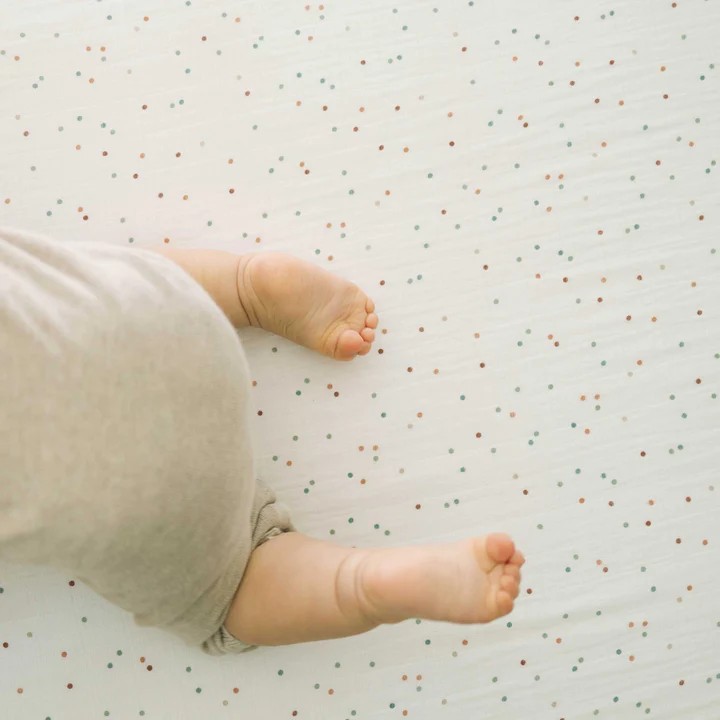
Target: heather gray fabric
x=126 y=458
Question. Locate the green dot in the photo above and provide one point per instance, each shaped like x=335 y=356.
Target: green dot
x=198 y=690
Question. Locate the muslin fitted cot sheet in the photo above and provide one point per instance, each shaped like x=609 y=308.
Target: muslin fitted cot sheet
x=529 y=192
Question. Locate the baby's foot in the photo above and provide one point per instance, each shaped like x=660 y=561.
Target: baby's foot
x=306 y=304
x=471 y=581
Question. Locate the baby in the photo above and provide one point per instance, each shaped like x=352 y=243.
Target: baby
x=127 y=462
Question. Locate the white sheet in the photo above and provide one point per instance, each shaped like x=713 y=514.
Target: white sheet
x=484 y=244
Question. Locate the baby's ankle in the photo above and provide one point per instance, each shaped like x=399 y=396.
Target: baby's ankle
x=357 y=591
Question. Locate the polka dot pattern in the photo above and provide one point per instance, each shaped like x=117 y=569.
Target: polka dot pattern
x=528 y=191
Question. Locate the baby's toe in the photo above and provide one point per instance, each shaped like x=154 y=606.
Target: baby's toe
x=369 y=305
x=509 y=585
x=500 y=547
x=512 y=571
x=504 y=602
x=367 y=335
x=349 y=345
x=372 y=320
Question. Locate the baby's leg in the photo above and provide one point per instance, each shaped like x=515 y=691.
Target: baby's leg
x=297 y=589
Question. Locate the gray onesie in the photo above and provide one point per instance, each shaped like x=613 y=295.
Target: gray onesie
x=125 y=452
